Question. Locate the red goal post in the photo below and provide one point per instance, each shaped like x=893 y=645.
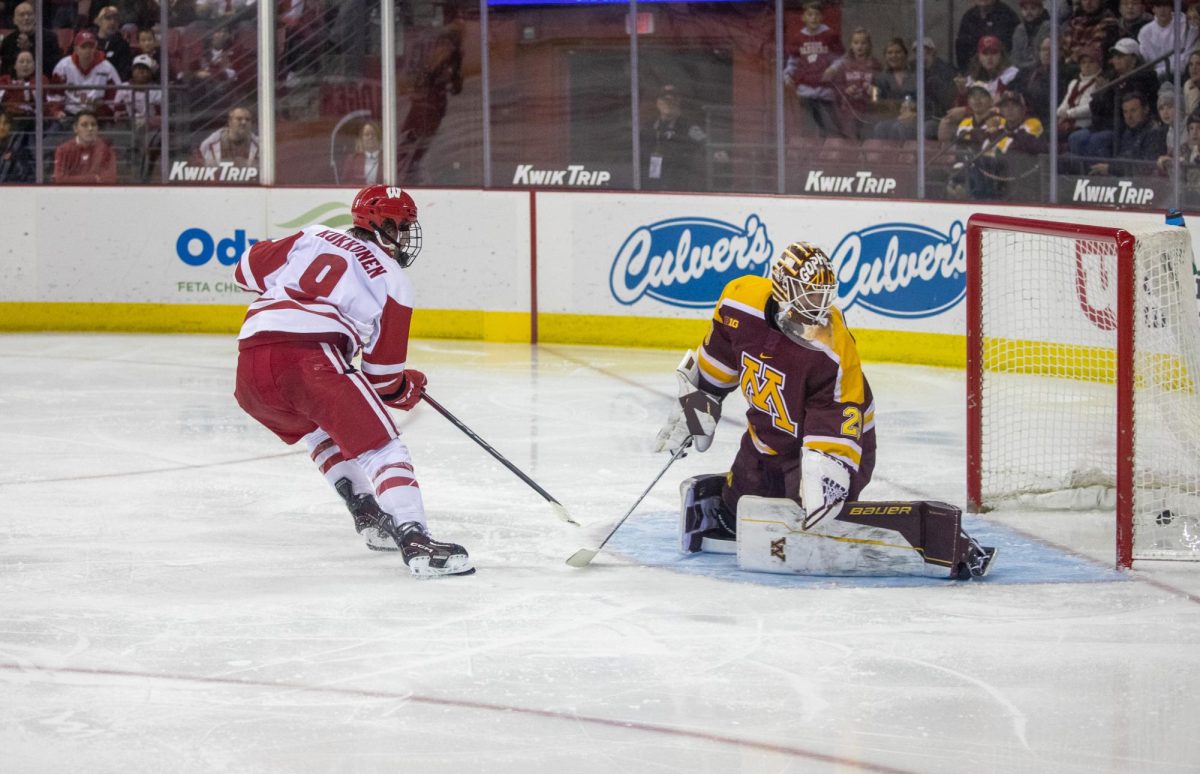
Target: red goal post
x=1082 y=391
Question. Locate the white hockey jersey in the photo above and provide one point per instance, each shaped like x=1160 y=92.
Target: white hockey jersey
x=322 y=284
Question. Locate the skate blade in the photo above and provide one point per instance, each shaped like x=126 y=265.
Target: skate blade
x=992 y=554
x=455 y=565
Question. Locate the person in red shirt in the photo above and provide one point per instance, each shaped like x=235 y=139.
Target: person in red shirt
x=88 y=158
x=817 y=48
x=18 y=92
x=851 y=78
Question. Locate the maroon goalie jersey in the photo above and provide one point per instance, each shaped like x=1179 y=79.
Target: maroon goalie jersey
x=812 y=396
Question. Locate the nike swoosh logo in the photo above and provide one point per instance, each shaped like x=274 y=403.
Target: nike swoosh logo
x=764 y=356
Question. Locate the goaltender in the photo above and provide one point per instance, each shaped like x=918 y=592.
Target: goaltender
x=790 y=500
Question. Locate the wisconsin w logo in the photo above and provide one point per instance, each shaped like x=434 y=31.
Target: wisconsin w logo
x=763 y=388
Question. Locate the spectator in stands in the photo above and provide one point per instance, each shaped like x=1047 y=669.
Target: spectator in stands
x=215 y=78
x=816 y=48
x=20 y=91
x=975 y=139
x=235 y=142
x=1191 y=86
x=988 y=18
x=1018 y=149
x=1091 y=23
x=16 y=158
x=363 y=166
x=144 y=108
x=991 y=68
x=144 y=14
x=147 y=43
x=940 y=88
x=85 y=67
x=1029 y=34
x=1191 y=154
x=88 y=158
x=1097 y=139
x=1139 y=139
x=23 y=38
x=1157 y=38
x=1034 y=84
x=302 y=24
x=673 y=147
x=433 y=73
x=1132 y=17
x=1175 y=136
x=74 y=14
x=895 y=90
x=110 y=40
x=222 y=10
x=851 y=77
x=1074 y=112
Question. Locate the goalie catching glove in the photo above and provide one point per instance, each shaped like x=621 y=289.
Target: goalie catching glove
x=695 y=414
x=409 y=392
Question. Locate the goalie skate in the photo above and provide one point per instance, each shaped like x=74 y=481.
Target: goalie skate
x=977 y=562
x=370 y=520
x=428 y=558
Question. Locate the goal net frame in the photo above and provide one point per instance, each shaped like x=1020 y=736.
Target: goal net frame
x=1124 y=381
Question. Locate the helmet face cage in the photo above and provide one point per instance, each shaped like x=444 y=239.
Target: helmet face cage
x=803 y=284
x=390 y=214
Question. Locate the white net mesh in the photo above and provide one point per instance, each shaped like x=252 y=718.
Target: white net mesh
x=1049 y=400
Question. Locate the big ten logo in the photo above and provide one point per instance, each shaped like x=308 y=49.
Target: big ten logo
x=337 y=99
x=196 y=247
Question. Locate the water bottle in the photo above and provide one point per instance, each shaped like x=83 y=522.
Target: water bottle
x=1175 y=217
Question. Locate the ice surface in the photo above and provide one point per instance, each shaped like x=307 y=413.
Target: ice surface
x=181 y=592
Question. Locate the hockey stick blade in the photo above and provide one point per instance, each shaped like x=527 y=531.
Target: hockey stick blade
x=559 y=509
x=584 y=556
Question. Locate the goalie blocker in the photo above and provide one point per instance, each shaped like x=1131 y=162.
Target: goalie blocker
x=911 y=538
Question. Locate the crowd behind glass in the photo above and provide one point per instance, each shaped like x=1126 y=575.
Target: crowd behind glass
x=1083 y=101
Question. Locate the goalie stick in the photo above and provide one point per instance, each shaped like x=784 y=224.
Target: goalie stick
x=559 y=509
x=584 y=556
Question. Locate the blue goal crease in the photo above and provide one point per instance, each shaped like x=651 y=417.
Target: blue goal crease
x=651 y=540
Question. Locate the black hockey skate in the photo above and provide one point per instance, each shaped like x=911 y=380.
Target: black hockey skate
x=428 y=558
x=977 y=562
x=370 y=520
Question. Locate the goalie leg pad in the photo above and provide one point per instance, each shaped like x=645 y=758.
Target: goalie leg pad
x=921 y=538
x=701 y=513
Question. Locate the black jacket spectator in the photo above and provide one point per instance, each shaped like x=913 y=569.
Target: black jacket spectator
x=987 y=17
x=24 y=38
x=1104 y=106
x=116 y=49
x=16 y=158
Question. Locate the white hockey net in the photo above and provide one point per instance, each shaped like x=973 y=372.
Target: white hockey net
x=1050 y=403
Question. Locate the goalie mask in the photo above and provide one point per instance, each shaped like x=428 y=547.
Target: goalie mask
x=804 y=285
x=390 y=215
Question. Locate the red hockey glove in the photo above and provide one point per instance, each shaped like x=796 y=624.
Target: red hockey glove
x=410 y=390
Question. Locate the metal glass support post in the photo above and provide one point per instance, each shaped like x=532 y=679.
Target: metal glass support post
x=266 y=93
x=387 y=55
x=1052 y=190
x=486 y=76
x=634 y=110
x=920 y=75
x=780 y=130
x=39 y=94
x=1180 y=125
x=164 y=129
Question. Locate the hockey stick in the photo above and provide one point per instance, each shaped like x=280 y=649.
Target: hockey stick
x=559 y=510
x=584 y=556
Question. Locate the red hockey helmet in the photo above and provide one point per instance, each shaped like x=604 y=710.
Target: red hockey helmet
x=391 y=215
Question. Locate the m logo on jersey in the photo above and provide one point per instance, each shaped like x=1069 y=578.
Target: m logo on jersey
x=688 y=261
x=902 y=270
x=763 y=388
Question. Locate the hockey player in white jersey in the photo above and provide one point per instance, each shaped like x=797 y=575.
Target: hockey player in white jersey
x=326 y=295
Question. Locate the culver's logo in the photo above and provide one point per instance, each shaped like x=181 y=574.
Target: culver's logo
x=902 y=269
x=688 y=261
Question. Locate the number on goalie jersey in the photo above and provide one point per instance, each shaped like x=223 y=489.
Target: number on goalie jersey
x=326 y=295
x=803 y=393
